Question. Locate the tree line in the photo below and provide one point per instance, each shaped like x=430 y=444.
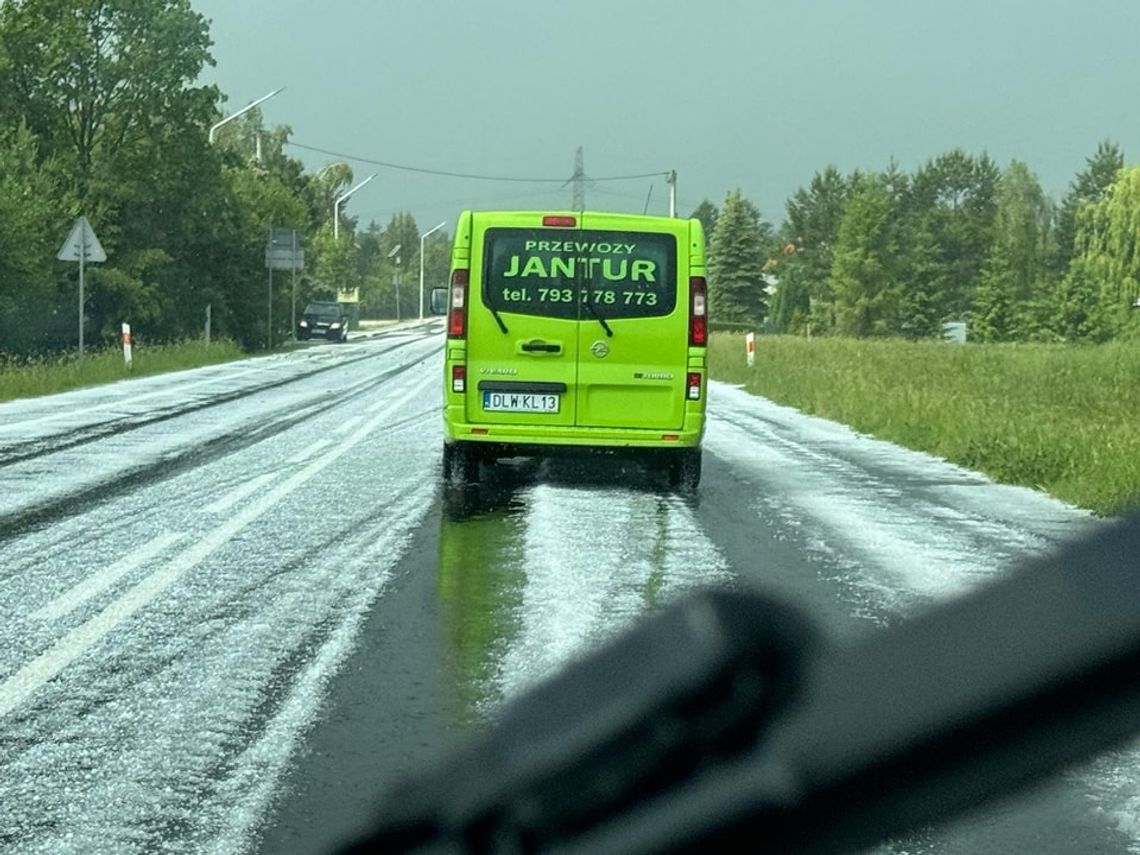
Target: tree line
x=101 y=115
x=897 y=254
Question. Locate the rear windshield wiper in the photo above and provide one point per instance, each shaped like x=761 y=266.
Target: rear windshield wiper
x=498 y=320
x=590 y=308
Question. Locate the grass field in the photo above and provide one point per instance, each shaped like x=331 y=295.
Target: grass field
x=46 y=376
x=1064 y=419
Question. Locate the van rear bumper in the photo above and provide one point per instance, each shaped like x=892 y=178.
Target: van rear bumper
x=544 y=438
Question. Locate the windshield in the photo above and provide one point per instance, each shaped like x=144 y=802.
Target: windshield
x=565 y=274
x=834 y=301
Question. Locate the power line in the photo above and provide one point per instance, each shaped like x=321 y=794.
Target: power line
x=452 y=204
x=449 y=174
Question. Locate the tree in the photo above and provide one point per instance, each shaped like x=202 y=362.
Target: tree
x=1011 y=296
x=106 y=86
x=923 y=279
x=791 y=302
x=811 y=229
x=740 y=246
x=29 y=230
x=93 y=77
x=1088 y=187
x=707 y=213
x=1078 y=314
x=1108 y=236
x=951 y=208
x=862 y=276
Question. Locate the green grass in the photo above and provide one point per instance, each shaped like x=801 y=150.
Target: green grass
x=1064 y=419
x=48 y=375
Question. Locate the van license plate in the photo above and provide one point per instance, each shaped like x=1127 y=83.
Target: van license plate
x=519 y=402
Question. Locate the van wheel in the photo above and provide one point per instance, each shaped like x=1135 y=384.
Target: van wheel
x=685 y=471
x=460 y=465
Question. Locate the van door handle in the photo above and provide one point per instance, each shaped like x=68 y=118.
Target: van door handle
x=540 y=347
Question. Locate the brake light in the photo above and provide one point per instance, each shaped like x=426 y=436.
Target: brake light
x=698 y=312
x=457 y=313
x=458 y=378
x=694 y=386
x=562 y=222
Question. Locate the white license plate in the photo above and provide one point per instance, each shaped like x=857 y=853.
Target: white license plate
x=520 y=402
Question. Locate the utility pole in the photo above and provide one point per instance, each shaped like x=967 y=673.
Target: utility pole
x=671 y=180
x=578 y=179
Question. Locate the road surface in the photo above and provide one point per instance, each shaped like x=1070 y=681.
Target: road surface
x=237 y=611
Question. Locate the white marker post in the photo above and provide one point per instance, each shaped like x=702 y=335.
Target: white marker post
x=127 y=345
x=82 y=246
x=750 y=348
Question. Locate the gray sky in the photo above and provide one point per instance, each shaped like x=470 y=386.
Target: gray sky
x=755 y=94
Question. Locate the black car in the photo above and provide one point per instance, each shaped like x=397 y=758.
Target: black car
x=323 y=319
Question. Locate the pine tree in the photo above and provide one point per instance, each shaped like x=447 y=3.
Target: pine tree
x=707 y=213
x=953 y=201
x=994 y=315
x=1013 y=286
x=740 y=247
x=862 y=273
x=812 y=228
x=1087 y=187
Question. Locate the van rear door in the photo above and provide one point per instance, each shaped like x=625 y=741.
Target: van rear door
x=632 y=367
x=522 y=341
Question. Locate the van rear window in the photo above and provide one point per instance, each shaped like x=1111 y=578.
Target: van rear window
x=561 y=273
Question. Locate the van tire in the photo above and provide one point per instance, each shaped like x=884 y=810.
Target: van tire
x=460 y=465
x=685 y=471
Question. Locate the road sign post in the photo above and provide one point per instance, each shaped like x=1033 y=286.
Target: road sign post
x=82 y=246
x=282 y=253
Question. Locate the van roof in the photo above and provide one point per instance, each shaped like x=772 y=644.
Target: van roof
x=644 y=219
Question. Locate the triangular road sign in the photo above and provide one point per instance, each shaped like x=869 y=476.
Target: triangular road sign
x=82 y=243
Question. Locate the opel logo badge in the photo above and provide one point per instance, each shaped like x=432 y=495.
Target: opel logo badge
x=600 y=349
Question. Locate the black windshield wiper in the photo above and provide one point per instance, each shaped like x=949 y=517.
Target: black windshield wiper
x=590 y=308
x=726 y=716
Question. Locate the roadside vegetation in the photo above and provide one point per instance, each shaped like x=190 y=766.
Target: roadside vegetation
x=1059 y=418
x=102 y=114
x=33 y=376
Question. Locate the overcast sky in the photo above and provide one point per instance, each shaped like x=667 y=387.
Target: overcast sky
x=754 y=94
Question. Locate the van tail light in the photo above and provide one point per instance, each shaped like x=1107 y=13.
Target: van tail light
x=457 y=313
x=458 y=378
x=698 y=312
x=693 y=386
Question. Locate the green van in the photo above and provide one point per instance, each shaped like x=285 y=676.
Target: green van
x=575 y=331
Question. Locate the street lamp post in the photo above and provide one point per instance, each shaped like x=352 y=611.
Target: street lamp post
x=423 y=237
x=245 y=109
x=344 y=198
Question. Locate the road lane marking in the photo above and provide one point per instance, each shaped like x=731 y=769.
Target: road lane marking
x=20 y=686
x=239 y=492
x=94 y=585
x=310 y=451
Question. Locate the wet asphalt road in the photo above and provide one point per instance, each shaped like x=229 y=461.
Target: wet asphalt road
x=239 y=610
